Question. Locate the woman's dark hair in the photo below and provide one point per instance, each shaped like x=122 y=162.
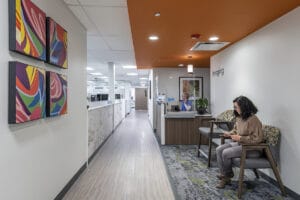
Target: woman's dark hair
x=247 y=107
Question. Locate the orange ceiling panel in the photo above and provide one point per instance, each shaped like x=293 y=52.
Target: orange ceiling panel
x=230 y=20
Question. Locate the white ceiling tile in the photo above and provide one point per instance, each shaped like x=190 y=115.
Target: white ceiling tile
x=71 y=2
x=80 y=14
x=110 y=21
x=96 y=43
x=121 y=57
x=120 y=3
x=119 y=43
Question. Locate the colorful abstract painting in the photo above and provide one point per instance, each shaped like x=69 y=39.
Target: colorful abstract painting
x=27 y=29
x=57 y=88
x=27 y=93
x=57 y=44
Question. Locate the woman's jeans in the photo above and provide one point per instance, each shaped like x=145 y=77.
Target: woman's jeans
x=228 y=151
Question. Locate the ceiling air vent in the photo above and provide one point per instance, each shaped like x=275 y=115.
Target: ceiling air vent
x=208 y=46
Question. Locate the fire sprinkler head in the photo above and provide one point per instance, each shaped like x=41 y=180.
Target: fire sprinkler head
x=195 y=36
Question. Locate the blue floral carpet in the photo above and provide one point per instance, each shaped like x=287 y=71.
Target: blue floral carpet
x=192 y=180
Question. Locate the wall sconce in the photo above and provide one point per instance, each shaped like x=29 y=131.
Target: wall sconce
x=190 y=68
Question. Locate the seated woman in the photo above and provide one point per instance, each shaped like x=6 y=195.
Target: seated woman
x=186 y=104
x=247 y=130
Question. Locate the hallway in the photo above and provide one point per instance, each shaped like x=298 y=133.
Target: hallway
x=128 y=166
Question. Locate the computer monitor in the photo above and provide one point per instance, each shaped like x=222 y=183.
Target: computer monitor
x=104 y=97
x=98 y=97
x=93 y=97
x=117 y=96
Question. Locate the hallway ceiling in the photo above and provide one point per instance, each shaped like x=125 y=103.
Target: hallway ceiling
x=230 y=20
x=109 y=37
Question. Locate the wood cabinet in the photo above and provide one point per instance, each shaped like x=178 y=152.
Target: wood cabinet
x=185 y=130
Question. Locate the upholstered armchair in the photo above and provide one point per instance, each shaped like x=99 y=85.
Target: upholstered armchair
x=269 y=158
x=223 y=122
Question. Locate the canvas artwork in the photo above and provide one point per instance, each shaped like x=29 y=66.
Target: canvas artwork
x=193 y=86
x=27 y=24
x=27 y=93
x=56 y=94
x=57 y=43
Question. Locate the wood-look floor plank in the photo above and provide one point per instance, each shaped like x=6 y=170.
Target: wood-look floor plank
x=129 y=166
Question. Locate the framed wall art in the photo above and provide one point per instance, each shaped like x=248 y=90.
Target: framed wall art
x=193 y=86
x=27 y=93
x=57 y=44
x=57 y=88
x=27 y=29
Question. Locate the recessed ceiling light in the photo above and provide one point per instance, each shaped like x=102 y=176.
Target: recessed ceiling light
x=132 y=74
x=157 y=14
x=181 y=65
x=153 y=37
x=129 y=67
x=89 y=69
x=96 y=74
x=214 y=38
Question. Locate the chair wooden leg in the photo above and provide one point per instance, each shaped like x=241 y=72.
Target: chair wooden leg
x=241 y=176
x=199 y=145
x=256 y=173
x=222 y=140
x=275 y=170
x=209 y=151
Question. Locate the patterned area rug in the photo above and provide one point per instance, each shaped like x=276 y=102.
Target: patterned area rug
x=192 y=179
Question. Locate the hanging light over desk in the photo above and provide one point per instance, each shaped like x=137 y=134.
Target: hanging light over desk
x=190 y=68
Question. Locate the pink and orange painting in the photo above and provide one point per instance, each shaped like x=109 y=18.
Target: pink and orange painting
x=57 y=88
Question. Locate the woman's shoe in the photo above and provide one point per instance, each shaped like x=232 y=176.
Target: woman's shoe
x=220 y=176
x=223 y=182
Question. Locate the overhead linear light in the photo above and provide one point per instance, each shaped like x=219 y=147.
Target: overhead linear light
x=96 y=74
x=132 y=74
x=89 y=69
x=153 y=37
x=181 y=65
x=190 y=68
x=213 y=38
x=143 y=78
x=129 y=67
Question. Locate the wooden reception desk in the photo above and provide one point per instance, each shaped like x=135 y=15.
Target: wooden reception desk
x=182 y=127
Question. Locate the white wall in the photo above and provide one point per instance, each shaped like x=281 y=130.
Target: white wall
x=265 y=66
x=38 y=158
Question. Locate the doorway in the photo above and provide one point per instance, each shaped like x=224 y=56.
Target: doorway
x=141 y=102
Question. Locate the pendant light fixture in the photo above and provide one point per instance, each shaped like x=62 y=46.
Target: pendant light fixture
x=190 y=68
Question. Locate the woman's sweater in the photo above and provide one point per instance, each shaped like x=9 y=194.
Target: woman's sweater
x=250 y=130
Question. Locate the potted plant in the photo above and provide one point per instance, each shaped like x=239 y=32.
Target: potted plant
x=201 y=105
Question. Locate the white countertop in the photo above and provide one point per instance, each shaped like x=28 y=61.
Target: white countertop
x=185 y=114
